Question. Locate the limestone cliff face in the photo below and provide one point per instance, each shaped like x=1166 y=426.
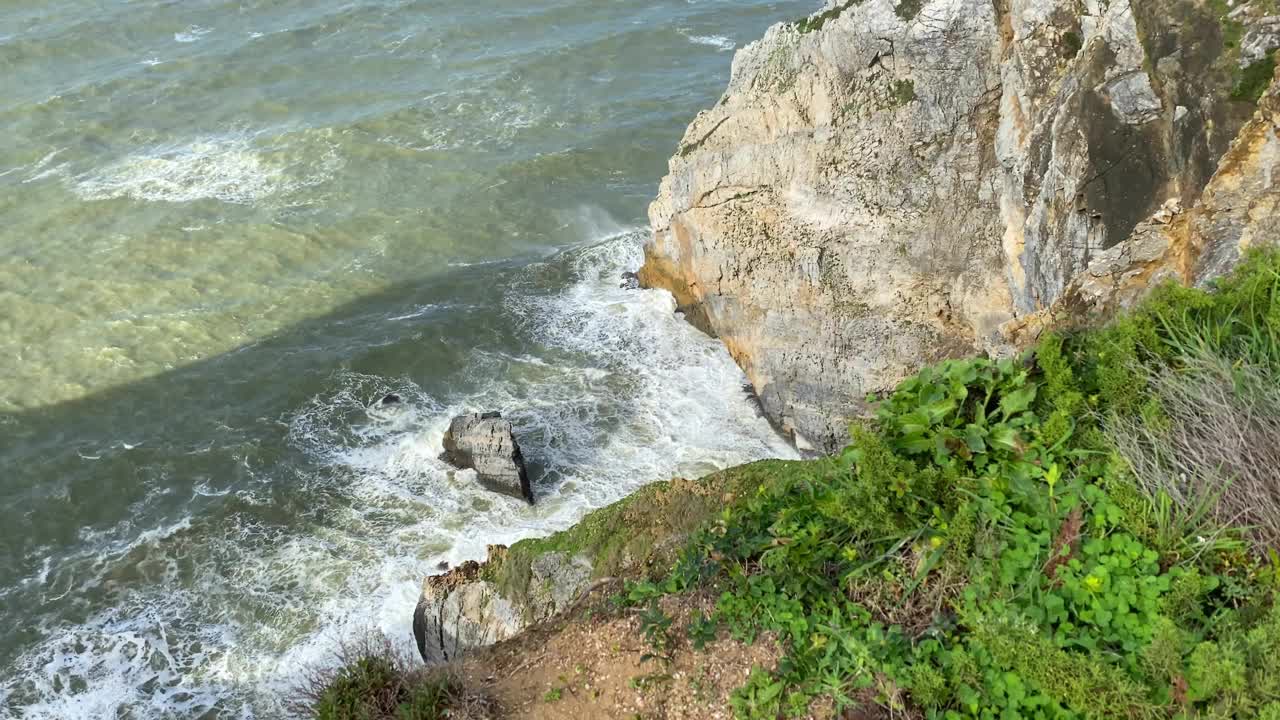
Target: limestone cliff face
x=1238 y=208
x=887 y=183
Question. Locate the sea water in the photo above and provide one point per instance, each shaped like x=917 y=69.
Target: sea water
x=228 y=228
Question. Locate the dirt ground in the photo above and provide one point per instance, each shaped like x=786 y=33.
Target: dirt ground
x=592 y=663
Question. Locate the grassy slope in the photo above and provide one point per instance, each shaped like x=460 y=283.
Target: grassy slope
x=985 y=549
x=640 y=534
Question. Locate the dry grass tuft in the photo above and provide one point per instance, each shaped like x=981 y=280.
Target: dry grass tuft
x=1214 y=454
x=369 y=680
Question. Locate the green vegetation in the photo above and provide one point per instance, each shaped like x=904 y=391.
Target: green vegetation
x=815 y=22
x=1247 y=84
x=1060 y=535
x=1071 y=44
x=1254 y=80
x=646 y=529
x=904 y=91
x=372 y=683
x=908 y=9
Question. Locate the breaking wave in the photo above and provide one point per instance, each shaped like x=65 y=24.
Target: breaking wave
x=610 y=391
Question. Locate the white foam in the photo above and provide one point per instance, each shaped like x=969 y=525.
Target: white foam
x=146 y=652
x=192 y=34
x=719 y=42
x=44 y=168
x=226 y=168
x=418 y=312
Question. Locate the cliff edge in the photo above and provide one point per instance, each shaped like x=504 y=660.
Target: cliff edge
x=884 y=184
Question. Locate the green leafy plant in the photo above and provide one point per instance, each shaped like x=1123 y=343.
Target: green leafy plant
x=991 y=547
x=656 y=627
x=702 y=630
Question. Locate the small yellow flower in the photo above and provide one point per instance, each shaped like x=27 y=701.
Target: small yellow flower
x=1093 y=583
x=935 y=542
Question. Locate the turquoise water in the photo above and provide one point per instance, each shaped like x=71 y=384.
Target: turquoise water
x=226 y=229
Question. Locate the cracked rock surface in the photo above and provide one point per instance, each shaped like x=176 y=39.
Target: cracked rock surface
x=886 y=184
x=486 y=443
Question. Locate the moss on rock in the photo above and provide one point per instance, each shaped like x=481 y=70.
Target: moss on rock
x=639 y=534
x=1254 y=80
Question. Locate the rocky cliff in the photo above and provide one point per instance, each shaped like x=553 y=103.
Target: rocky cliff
x=887 y=183
x=478 y=604
x=883 y=185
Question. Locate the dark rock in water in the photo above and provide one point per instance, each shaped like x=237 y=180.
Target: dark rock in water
x=442 y=565
x=486 y=444
x=389 y=399
x=630 y=281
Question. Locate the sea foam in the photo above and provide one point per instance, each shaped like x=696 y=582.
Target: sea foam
x=227 y=168
x=719 y=42
x=615 y=392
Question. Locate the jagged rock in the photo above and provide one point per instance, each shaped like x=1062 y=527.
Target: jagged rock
x=486 y=443
x=890 y=183
x=477 y=604
x=1262 y=38
x=630 y=281
x=1238 y=209
x=460 y=610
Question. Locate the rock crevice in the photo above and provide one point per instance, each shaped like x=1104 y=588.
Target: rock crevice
x=879 y=189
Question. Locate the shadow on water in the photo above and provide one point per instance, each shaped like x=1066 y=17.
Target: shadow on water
x=217 y=520
x=177 y=444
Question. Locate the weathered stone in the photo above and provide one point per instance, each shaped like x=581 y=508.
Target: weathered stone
x=480 y=603
x=460 y=610
x=1236 y=210
x=1133 y=100
x=1261 y=40
x=872 y=192
x=485 y=443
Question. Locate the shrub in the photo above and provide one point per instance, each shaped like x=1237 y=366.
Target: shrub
x=370 y=681
x=1215 y=454
x=1045 y=537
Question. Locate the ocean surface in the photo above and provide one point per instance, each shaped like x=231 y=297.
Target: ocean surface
x=228 y=228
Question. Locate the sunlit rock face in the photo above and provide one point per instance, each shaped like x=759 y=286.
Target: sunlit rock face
x=884 y=184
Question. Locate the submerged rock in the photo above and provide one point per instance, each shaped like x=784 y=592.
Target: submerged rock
x=630 y=281
x=484 y=442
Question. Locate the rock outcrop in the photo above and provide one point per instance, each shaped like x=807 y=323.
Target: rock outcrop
x=887 y=183
x=486 y=443
x=1239 y=208
x=477 y=604
x=464 y=609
